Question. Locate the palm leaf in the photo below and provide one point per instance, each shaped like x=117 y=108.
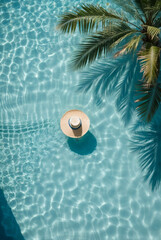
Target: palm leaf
x=147 y=143
x=154 y=5
x=130 y=8
x=157 y=22
x=158 y=5
x=134 y=41
x=98 y=44
x=150 y=61
x=140 y=4
x=156 y=14
x=148 y=8
x=153 y=31
x=149 y=100
x=132 y=45
x=86 y=18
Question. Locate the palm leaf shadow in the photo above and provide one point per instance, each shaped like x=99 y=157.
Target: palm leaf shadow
x=114 y=76
x=147 y=143
x=125 y=90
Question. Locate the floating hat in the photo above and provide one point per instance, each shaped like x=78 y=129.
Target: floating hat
x=74 y=123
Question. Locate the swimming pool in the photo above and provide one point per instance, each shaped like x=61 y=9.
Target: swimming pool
x=59 y=188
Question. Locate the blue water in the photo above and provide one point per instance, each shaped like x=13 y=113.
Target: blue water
x=59 y=188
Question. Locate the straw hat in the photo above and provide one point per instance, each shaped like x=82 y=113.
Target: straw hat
x=74 y=123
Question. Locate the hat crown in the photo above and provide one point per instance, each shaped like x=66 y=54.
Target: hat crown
x=75 y=121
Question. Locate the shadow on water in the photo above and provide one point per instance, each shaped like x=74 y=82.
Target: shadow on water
x=114 y=76
x=146 y=141
x=83 y=146
x=9 y=229
x=120 y=77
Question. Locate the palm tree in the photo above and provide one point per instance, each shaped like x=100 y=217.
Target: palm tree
x=115 y=33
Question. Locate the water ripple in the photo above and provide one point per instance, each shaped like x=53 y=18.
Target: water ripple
x=59 y=188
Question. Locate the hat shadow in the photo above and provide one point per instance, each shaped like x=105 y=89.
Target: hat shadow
x=84 y=145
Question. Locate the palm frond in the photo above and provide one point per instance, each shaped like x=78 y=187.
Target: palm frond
x=154 y=5
x=153 y=31
x=86 y=18
x=158 y=5
x=147 y=143
x=140 y=5
x=150 y=62
x=149 y=8
x=130 y=8
x=157 y=22
x=155 y=15
x=132 y=45
x=98 y=44
x=149 y=100
x=133 y=42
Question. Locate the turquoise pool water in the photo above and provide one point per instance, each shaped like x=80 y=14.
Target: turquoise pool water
x=58 y=188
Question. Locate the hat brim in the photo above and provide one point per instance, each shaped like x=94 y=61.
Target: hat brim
x=75 y=133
